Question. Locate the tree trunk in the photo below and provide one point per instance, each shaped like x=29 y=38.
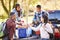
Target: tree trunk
x=4 y=7
x=15 y=1
x=9 y=6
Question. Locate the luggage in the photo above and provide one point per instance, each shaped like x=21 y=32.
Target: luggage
x=22 y=33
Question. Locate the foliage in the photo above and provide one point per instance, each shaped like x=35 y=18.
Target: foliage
x=8 y=9
x=7 y=5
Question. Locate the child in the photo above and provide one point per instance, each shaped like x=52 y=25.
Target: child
x=57 y=33
x=44 y=28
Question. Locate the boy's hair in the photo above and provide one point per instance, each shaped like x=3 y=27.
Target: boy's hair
x=12 y=13
x=38 y=6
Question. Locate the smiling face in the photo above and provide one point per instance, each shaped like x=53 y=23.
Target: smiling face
x=38 y=9
x=18 y=8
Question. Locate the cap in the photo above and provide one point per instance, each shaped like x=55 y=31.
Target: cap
x=12 y=13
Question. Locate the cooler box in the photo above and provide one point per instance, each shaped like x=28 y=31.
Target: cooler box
x=22 y=33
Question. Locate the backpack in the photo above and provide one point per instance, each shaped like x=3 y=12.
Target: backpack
x=1 y=33
x=3 y=29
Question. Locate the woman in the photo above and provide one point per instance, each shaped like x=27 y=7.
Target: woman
x=44 y=28
x=18 y=12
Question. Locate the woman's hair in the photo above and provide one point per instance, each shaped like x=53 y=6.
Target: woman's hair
x=16 y=9
x=17 y=6
x=45 y=18
x=19 y=13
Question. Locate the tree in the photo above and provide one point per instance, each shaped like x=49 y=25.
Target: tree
x=14 y=2
x=4 y=7
x=7 y=10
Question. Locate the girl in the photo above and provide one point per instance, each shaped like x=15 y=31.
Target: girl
x=44 y=28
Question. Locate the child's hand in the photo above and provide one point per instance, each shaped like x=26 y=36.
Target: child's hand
x=19 y=26
x=31 y=24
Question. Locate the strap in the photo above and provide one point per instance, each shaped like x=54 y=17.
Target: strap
x=44 y=28
x=3 y=26
x=47 y=31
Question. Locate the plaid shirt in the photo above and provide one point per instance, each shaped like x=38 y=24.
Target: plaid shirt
x=10 y=27
x=37 y=15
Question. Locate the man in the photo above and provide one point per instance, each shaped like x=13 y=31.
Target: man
x=18 y=12
x=38 y=14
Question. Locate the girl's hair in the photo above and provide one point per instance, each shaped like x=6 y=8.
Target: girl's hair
x=45 y=18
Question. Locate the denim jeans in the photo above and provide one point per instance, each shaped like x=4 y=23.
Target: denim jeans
x=44 y=39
